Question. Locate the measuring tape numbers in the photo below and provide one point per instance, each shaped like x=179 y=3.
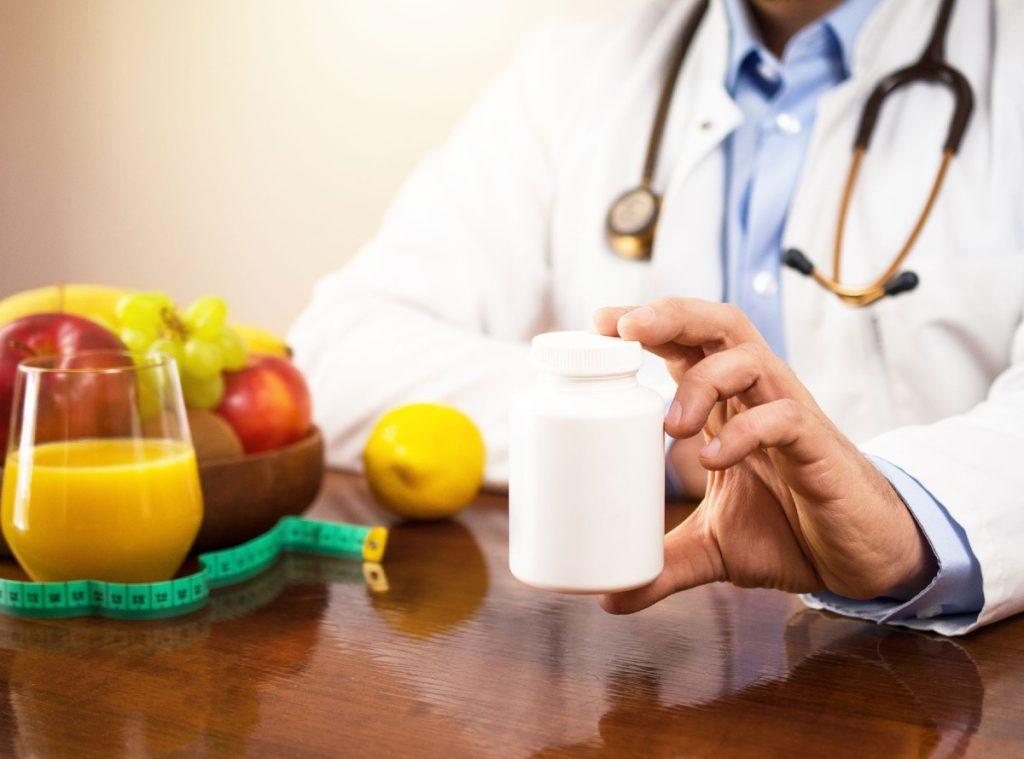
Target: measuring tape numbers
x=183 y=595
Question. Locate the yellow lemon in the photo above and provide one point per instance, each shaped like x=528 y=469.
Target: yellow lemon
x=424 y=461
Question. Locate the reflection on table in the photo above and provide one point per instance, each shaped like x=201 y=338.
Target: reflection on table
x=456 y=657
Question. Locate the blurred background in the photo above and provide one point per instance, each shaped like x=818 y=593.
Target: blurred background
x=240 y=147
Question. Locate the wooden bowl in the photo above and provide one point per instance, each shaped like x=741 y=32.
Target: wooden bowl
x=246 y=496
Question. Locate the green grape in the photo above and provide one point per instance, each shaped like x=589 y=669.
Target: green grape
x=136 y=339
x=233 y=349
x=162 y=300
x=168 y=346
x=201 y=358
x=140 y=312
x=202 y=393
x=205 y=318
x=148 y=396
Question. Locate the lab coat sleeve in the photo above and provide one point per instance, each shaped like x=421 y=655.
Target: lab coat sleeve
x=954 y=593
x=437 y=307
x=972 y=465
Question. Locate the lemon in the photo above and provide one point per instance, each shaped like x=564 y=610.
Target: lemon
x=424 y=461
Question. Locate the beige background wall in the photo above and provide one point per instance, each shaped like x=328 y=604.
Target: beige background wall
x=232 y=146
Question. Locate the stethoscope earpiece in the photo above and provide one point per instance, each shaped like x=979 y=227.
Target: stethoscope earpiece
x=795 y=259
x=903 y=282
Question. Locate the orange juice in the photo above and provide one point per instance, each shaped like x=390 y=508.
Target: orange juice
x=120 y=510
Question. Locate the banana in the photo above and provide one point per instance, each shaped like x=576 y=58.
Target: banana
x=261 y=341
x=98 y=302
x=94 y=302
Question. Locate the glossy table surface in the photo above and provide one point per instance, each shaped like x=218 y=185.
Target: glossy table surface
x=456 y=658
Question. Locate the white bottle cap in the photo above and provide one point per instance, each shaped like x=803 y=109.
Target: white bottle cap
x=584 y=354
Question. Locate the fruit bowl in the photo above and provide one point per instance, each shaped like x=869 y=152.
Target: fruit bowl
x=245 y=496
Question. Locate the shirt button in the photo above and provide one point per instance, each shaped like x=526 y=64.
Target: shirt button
x=767 y=71
x=765 y=283
x=788 y=123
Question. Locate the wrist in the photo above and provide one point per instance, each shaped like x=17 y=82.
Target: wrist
x=917 y=563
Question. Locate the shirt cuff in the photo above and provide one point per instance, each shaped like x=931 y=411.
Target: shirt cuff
x=955 y=593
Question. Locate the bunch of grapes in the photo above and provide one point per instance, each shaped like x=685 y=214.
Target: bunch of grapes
x=198 y=339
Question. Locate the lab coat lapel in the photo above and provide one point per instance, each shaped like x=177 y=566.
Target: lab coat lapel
x=900 y=165
x=814 y=213
x=606 y=159
x=702 y=113
x=825 y=338
x=702 y=116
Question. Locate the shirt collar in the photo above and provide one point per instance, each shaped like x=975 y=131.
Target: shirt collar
x=743 y=39
x=844 y=22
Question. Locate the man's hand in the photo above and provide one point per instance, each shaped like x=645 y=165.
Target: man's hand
x=683 y=458
x=790 y=502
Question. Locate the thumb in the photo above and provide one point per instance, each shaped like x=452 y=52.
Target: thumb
x=691 y=559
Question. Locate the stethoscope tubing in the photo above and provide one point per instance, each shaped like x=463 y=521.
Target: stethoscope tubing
x=635 y=239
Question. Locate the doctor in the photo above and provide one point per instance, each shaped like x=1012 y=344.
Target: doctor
x=838 y=313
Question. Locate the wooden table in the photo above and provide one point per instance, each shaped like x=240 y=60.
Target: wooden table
x=458 y=659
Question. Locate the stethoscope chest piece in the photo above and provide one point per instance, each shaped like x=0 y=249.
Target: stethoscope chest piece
x=631 y=223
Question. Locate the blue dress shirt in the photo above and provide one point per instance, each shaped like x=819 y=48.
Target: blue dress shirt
x=764 y=156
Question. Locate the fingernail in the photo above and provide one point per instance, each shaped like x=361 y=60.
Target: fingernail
x=641 y=315
x=710 y=450
x=674 y=415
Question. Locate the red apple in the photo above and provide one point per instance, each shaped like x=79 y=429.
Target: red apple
x=39 y=335
x=267 y=403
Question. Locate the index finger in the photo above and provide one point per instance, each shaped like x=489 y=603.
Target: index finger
x=606 y=322
x=606 y=319
x=687 y=321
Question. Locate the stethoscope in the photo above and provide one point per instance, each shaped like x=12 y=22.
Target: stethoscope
x=633 y=216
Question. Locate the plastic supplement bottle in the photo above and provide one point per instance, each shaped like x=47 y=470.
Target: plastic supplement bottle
x=586 y=469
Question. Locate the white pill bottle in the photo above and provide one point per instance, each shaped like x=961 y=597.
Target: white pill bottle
x=586 y=469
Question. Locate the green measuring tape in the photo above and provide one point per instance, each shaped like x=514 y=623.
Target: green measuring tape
x=155 y=600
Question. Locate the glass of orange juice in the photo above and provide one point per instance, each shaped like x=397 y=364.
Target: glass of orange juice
x=100 y=480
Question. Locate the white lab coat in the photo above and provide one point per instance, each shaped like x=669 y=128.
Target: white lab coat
x=499 y=235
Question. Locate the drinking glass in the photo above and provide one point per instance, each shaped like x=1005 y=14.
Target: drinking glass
x=100 y=480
